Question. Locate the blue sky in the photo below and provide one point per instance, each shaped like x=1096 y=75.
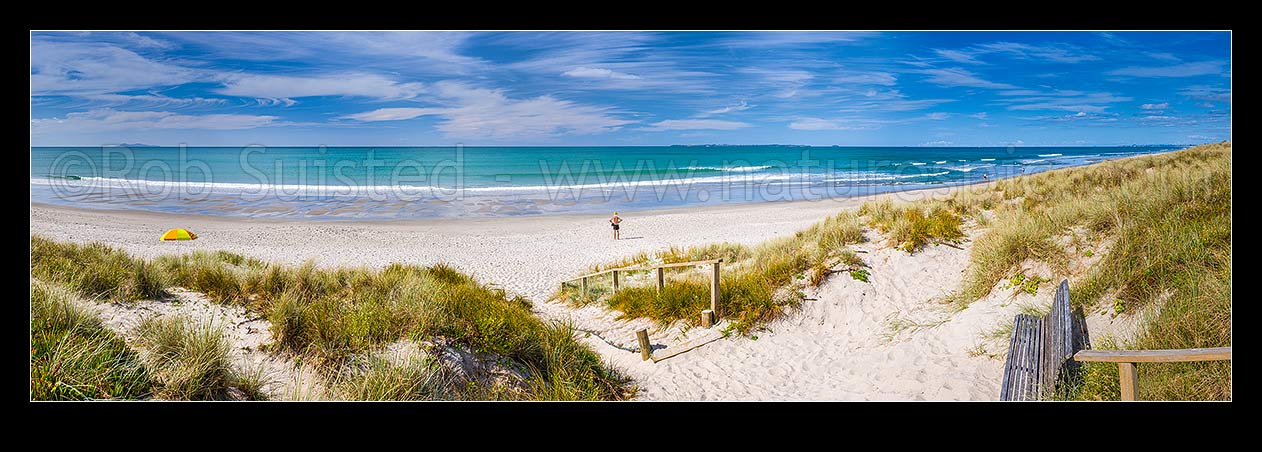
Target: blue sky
x=630 y=88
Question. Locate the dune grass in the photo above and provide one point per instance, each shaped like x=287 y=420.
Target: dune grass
x=757 y=283
x=94 y=270
x=73 y=357
x=910 y=227
x=193 y=362
x=1169 y=219
x=380 y=379
x=330 y=315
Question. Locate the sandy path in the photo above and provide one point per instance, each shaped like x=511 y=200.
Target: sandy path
x=835 y=350
x=845 y=345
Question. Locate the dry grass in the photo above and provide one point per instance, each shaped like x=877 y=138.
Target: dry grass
x=1169 y=216
x=329 y=316
x=757 y=283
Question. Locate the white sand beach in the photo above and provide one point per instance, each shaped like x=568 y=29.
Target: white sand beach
x=885 y=340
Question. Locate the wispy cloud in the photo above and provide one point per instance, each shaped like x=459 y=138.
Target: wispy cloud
x=1089 y=103
x=957 y=77
x=64 y=68
x=435 y=52
x=472 y=112
x=784 y=83
x=1160 y=106
x=154 y=100
x=599 y=73
x=758 y=39
x=1053 y=53
x=818 y=124
x=958 y=56
x=866 y=78
x=394 y=114
x=285 y=87
x=1178 y=70
x=1207 y=93
x=143 y=41
x=695 y=124
x=1163 y=56
x=938 y=116
x=1057 y=53
x=728 y=109
x=107 y=119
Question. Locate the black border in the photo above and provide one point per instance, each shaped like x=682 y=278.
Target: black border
x=638 y=15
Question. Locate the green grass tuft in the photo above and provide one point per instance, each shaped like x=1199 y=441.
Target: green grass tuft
x=73 y=357
x=193 y=362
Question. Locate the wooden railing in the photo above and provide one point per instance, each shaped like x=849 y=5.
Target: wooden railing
x=708 y=316
x=1126 y=360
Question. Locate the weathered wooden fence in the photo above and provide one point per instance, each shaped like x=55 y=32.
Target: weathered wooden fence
x=1126 y=360
x=660 y=281
x=1045 y=350
x=708 y=316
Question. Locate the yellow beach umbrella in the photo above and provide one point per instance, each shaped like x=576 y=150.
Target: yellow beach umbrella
x=179 y=234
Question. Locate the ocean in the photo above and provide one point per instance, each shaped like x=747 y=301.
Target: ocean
x=441 y=182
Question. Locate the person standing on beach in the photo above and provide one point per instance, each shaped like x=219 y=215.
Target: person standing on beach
x=614 y=221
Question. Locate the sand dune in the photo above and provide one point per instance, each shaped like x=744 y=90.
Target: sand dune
x=839 y=347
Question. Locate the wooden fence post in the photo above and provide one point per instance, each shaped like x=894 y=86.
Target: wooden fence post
x=615 y=280
x=707 y=318
x=714 y=289
x=584 y=286
x=661 y=278
x=646 y=349
x=1130 y=380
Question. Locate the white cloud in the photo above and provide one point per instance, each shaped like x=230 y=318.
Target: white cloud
x=961 y=78
x=979 y=115
x=470 y=112
x=937 y=143
x=1178 y=70
x=1160 y=106
x=957 y=56
x=142 y=41
x=107 y=119
x=1058 y=53
x=814 y=124
x=1163 y=56
x=62 y=68
x=153 y=100
x=599 y=73
x=867 y=78
x=394 y=114
x=1093 y=102
x=695 y=124
x=938 y=116
x=1207 y=93
x=757 y=39
x=284 y=87
x=728 y=109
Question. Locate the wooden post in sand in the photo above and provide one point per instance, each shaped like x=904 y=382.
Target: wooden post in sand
x=661 y=278
x=707 y=318
x=584 y=285
x=615 y=280
x=1129 y=379
x=646 y=350
x=714 y=288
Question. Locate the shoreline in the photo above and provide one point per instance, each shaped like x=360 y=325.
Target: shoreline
x=842 y=202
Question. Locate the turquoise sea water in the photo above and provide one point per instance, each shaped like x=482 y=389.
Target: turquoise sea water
x=428 y=182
